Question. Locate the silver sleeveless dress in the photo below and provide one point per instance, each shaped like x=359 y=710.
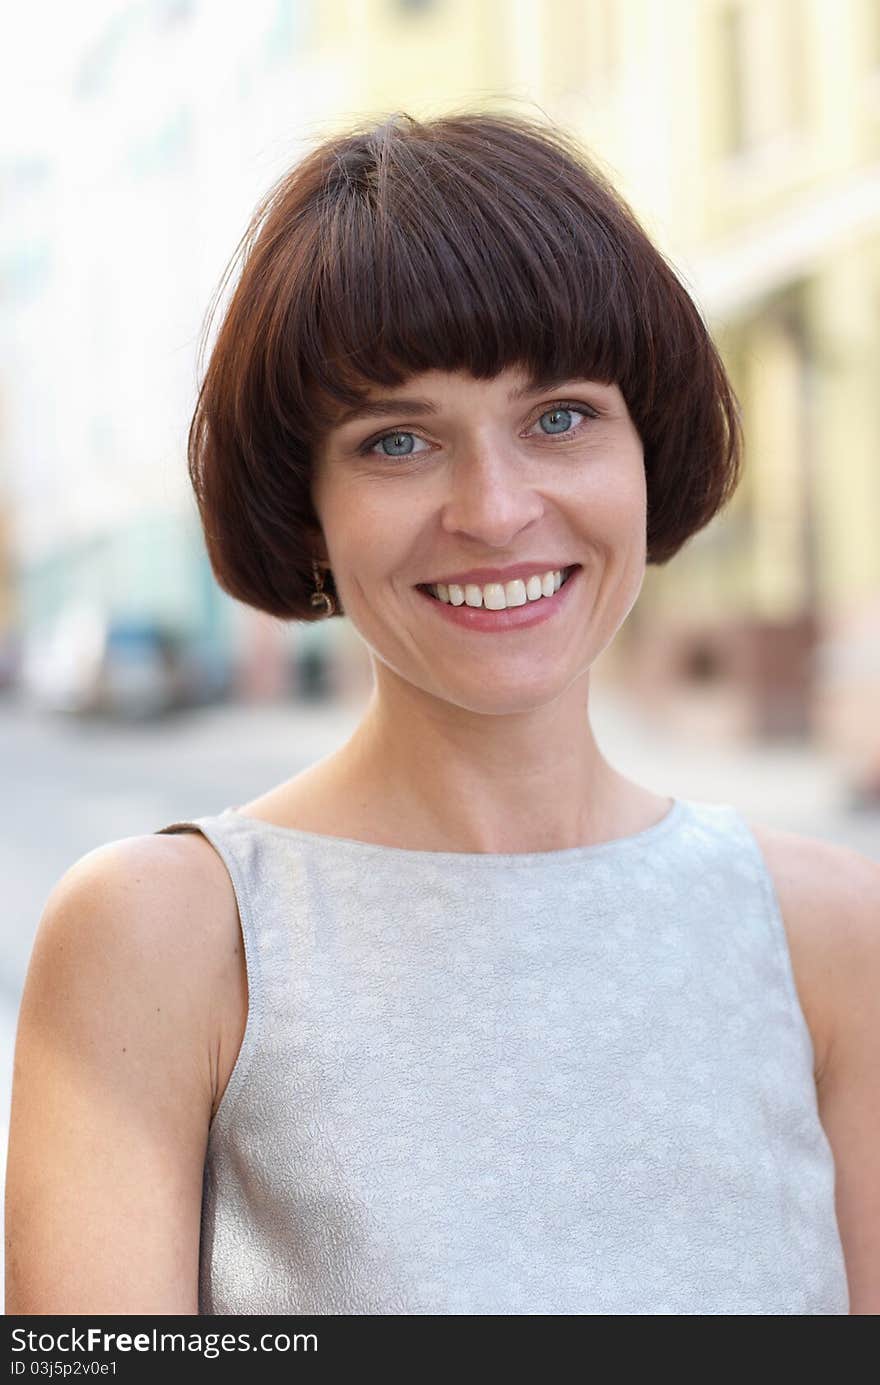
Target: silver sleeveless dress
x=575 y=1081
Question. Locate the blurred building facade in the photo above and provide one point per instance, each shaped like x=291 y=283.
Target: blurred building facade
x=746 y=135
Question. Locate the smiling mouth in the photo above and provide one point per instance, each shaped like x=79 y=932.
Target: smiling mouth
x=430 y=591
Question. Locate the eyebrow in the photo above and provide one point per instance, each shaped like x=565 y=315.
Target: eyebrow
x=373 y=408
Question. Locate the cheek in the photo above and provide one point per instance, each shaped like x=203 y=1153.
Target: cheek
x=369 y=531
x=365 y=558
x=614 y=505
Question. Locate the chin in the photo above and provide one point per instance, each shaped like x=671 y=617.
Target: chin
x=513 y=700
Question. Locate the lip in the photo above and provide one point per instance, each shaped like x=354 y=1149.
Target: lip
x=512 y=618
x=481 y=575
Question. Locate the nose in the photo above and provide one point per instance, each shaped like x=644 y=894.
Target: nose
x=491 y=496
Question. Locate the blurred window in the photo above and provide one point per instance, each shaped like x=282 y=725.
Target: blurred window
x=171 y=12
x=733 y=78
x=583 y=46
x=794 y=53
x=873 y=27
x=763 y=52
x=289 y=29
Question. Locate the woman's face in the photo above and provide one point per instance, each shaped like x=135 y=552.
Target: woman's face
x=447 y=474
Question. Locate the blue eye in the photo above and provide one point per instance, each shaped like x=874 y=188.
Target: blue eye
x=562 y=414
x=397 y=441
x=401 y=444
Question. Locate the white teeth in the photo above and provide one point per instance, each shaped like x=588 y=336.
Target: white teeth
x=497 y=596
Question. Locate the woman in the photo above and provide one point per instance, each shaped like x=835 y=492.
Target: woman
x=508 y=1032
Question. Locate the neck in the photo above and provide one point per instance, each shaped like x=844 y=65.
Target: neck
x=459 y=780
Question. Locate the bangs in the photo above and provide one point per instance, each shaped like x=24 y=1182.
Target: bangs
x=455 y=251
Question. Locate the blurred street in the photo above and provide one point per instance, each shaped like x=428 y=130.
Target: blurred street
x=77 y=785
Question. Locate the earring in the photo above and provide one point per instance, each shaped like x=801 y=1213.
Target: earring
x=319 y=597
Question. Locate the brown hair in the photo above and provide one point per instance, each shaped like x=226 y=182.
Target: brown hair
x=467 y=242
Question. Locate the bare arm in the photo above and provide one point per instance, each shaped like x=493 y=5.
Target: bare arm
x=830 y=900
x=849 y=1089
x=117 y=1069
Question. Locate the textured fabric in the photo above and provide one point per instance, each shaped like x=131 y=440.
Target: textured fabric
x=572 y=1081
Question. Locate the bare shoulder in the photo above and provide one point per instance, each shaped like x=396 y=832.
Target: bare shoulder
x=161 y=907
x=120 y=1054
x=829 y=897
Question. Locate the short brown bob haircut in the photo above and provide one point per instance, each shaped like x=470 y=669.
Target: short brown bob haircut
x=469 y=242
